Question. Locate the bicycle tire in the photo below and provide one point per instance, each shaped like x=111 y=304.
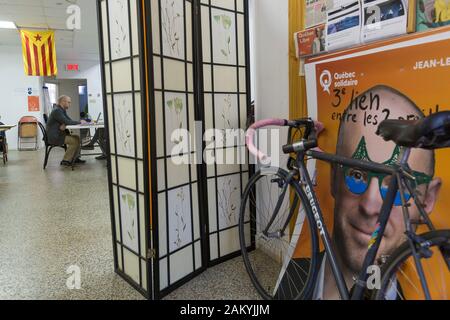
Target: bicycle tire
x=247 y=251
x=439 y=239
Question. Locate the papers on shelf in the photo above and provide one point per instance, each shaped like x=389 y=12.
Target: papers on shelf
x=383 y=19
x=310 y=41
x=316 y=12
x=343 y=28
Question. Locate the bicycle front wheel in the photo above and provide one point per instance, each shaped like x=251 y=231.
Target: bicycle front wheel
x=278 y=267
x=400 y=280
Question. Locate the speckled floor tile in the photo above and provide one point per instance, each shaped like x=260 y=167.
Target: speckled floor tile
x=51 y=220
x=56 y=218
x=227 y=281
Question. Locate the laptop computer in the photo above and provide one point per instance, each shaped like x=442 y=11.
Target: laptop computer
x=98 y=118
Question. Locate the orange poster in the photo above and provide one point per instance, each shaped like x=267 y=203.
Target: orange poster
x=351 y=93
x=33 y=104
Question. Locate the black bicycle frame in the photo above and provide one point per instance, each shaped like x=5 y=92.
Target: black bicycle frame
x=385 y=213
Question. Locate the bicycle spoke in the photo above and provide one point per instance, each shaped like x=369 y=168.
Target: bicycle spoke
x=402 y=266
x=444 y=296
x=431 y=273
x=406 y=277
x=270 y=260
x=396 y=289
x=295 y=265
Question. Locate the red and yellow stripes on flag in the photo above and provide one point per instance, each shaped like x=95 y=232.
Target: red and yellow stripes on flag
x=39 y=53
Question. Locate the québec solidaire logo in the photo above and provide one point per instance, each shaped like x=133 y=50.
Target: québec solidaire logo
x=326 y=81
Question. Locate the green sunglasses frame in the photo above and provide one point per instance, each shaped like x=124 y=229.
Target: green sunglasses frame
x=420 y=177
x=361 y=153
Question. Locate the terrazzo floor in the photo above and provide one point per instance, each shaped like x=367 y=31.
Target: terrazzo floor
x=54 y=219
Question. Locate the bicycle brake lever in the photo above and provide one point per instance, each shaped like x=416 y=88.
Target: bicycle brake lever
x=423 y=246
x=279 y=181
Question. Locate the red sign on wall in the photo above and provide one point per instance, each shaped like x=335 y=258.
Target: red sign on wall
x=72 y=67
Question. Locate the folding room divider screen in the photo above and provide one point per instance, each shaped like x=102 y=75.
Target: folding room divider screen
x=168 y=65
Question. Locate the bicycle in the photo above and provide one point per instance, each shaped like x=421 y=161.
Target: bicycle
x=271 y=227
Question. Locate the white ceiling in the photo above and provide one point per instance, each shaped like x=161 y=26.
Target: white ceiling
x=51 y=14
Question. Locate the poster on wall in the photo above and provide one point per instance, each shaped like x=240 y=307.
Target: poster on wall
x=432 y=14
x=310 y=41
x=33 y=104
x=383 y=19
x=352 y=94
x=343 y=27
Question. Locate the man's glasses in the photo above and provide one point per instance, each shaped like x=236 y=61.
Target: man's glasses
x=358 y=181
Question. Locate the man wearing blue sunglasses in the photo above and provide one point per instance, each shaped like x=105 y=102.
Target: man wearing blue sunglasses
x=359 y=194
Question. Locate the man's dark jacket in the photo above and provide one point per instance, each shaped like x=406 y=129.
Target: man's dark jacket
x=58 y=117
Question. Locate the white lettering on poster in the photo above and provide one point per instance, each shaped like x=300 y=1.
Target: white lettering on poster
x=345 y=79
x=432 y=63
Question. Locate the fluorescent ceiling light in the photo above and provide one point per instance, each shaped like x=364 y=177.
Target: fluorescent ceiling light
x=7 y=25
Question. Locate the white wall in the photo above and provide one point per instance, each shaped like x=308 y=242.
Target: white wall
x=13 y=91
x=89 y=70
x=270 y=51
x=271 y=54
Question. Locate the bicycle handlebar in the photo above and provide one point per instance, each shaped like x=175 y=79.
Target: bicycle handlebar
x=251 y=133
x=314 y=128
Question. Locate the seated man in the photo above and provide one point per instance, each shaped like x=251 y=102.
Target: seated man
x=57 y=135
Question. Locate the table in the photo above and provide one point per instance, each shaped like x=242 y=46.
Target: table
x=6 y=127
x=86 y=126
x=95 y=126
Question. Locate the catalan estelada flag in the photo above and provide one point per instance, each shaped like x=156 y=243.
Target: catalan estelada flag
x=39 y=53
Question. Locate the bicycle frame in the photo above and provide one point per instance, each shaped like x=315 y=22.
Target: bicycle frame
x=398 y=175
x=402 y=180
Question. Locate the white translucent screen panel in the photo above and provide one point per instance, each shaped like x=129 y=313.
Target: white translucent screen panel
x=124 y=124
x=129 y=218
x=225 y=109
x=122 y=75
x=119 y=29
x=177 y=200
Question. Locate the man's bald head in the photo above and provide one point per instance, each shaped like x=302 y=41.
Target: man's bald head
x=64 y=101
x=362 y=118
x=356 y=214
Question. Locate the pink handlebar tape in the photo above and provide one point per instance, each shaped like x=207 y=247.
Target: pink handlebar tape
x=267 y=123
x=251 y=133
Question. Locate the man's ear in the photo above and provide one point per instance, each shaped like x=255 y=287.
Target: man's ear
x=432 y=195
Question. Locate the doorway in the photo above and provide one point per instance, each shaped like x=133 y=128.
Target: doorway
x=76 y=89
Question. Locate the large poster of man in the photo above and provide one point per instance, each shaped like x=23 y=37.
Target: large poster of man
x=352 y=93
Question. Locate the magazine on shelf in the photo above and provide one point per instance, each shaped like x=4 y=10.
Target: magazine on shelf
x=432 y=14
x=316 y=12
x=383 y=19
x=343 y=27
x=310 y=42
